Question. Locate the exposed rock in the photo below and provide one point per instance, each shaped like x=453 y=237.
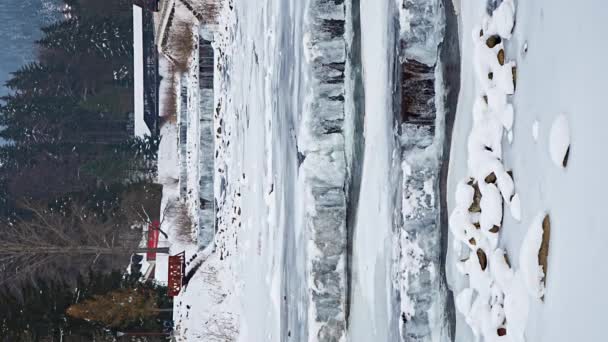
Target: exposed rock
x=491 y=178
x=507 y=259
x=514 y=72
x=475 y=206
x=565 y=162
x=501 y=57
x=492 y=41
x=483 y=259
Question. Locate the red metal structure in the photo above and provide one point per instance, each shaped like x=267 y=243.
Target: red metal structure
x=153 y=233
x=177 y=266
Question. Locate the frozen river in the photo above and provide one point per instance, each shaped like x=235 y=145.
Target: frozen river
x=312 y=86
x=266 y=86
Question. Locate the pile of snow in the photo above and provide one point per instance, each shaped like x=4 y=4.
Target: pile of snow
x=559 y=141
x=532 y=272
x=495 y=304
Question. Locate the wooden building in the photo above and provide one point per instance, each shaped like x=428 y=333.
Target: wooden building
x=146 y=78
x=148 y=5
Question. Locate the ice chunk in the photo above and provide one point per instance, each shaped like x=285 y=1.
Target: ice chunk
x=422 y=23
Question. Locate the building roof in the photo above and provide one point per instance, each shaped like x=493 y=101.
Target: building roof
x=150 y=5
x=145 y=61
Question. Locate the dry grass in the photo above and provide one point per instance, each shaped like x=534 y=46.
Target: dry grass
x=182 y=226
x=205 y=11
x=221 y=327
x=210 y=10
x=180 y=45
x=169 y=98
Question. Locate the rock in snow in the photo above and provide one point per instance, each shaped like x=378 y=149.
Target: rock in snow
x=559 y=141
x=529 y=260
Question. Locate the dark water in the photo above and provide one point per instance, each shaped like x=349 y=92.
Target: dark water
x=20 y=23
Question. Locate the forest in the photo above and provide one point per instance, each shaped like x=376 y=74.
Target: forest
x=76 y=187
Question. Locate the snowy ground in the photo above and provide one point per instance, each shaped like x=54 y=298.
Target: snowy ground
x=287 y=262
x=560 y=71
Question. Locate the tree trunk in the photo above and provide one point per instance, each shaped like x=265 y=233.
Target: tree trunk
x=91 y=250
x=161 y=250
x=133 y=333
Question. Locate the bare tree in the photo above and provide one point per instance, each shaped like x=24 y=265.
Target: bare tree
x=221 y=327
x=63 y=245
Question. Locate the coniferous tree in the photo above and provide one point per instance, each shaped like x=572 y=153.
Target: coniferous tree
x=40 y=79
x=41 y=311
x=66 y=111
x=116 y=309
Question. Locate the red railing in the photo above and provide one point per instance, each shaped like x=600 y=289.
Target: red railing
x=177 y=266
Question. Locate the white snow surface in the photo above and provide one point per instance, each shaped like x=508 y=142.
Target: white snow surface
x=547 y=84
